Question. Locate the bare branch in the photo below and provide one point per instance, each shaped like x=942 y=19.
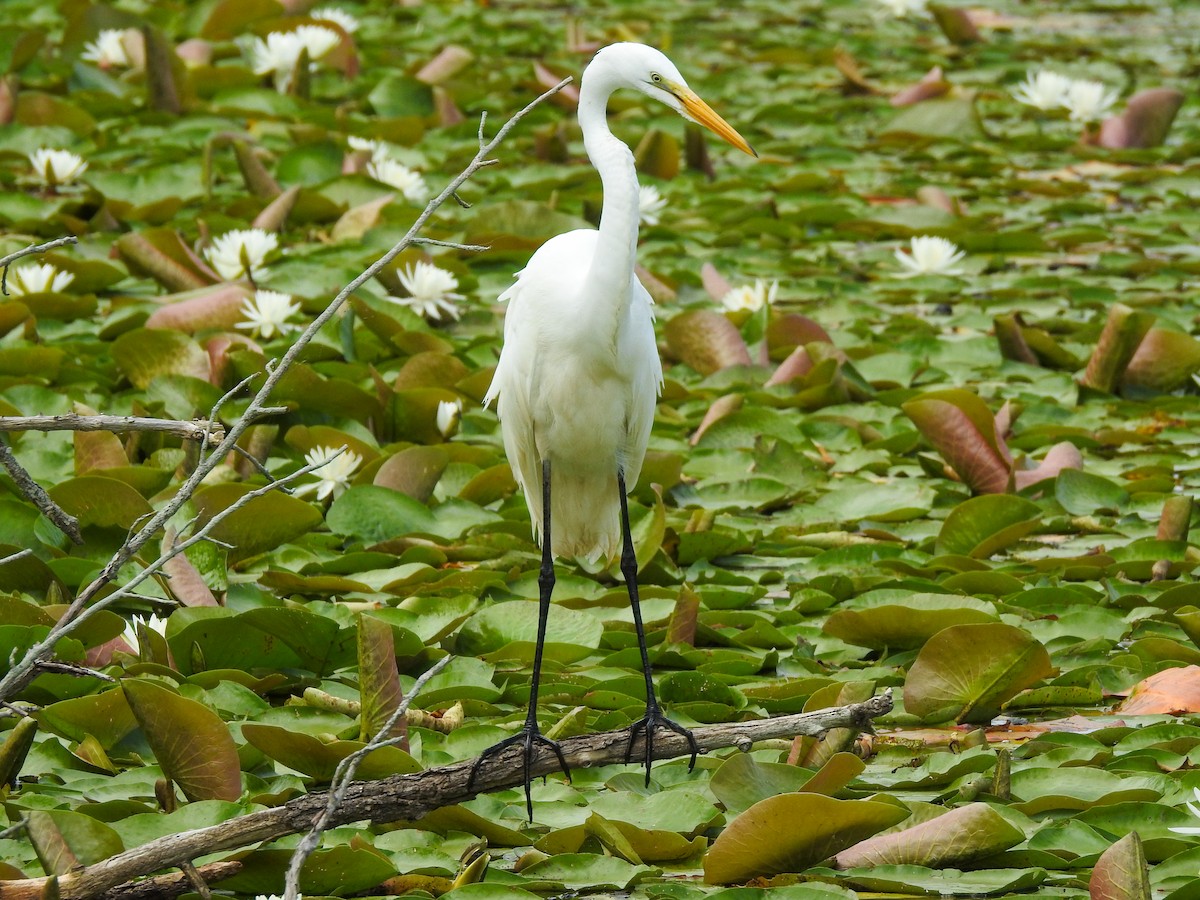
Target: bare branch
x=474 y=248
x=61 y=668
x=20 y=554
x=65 y=523
x=408 y=797
x=197 y=430
x=343 y=776
x=162 y=887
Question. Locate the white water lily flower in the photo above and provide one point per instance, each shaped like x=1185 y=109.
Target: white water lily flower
x=1195 y=811
x=278 y=53
x=395 y=174
x=750 y=296
x=55 y=167
x=339 y=17
x=901 y=8
x=333 y=478
x=650 y=204
x=38 y=278
x=367 y=145
x=448 y=416
x=267 y=312
x=154 y=623
x=1043 y=89
x=930 y=256
x=431 y=291
x=1089 y=101
x=317 y=40
x=107 y=50
x=241 y=252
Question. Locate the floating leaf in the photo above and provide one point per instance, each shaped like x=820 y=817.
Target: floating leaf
x=65 y=840
x=215 y=306
x=743 y=781
x=375 y=514
x=319 y=759
x=1171 y=692
x=100 y=501
x=510 y=628
x=966 y=672
x=956 y=837
x=706 y=341
x=145 y=354
x=1163 y=361
x=191 y=743
x=791 y=832
x=378 y=680
x=982 y=526
x=1121 y=872
x=960 y=426
x=1083 y=494
x=1123 y=332
x=261 y=524
x=909 y=624
x=1145 y=121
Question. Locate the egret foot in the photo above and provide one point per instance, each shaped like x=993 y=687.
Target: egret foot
x=529 y=737
x=647 y=725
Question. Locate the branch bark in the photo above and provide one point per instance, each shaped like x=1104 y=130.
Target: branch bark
x=36 y=494
x=196 y=430
x=409 y=797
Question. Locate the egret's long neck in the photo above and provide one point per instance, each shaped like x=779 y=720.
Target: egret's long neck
x=616 y=251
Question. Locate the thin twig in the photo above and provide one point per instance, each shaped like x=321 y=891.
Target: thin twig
x=196 y=430
x=6 y=261
x=215 y=412
x=254 y=461
x=63 y=521
x=19 y=676
x=474 y=248
x=61 y=668
x=20 y=554
x=343 y=776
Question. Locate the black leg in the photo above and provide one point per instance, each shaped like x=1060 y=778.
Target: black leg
x=530 y=735
x=654 y=718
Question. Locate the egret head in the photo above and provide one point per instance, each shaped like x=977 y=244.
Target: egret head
x=649 y=71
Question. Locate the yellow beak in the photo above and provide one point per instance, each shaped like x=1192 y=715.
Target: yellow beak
x=701 y=112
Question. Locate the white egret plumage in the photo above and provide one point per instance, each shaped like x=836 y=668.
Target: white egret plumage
x=579 y=372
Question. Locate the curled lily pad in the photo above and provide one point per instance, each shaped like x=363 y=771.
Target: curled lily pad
x=706 y=341
x=791 y=832
x=908 y=623
x=966 y=672
x=191 y=743
x=982 y=526
x=956 y=837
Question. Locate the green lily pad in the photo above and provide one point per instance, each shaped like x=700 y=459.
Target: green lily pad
x=966 y=672
x=791 y=832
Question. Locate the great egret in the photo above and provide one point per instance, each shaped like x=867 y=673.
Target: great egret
x=579 y=372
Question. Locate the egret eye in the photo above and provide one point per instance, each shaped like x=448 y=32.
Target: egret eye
x=656 y=78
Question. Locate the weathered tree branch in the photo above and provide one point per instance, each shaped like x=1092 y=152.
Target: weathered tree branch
x=409 y=797
x=37 y=495
x=163 y=887
x=21 y=674
x=196 y=430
